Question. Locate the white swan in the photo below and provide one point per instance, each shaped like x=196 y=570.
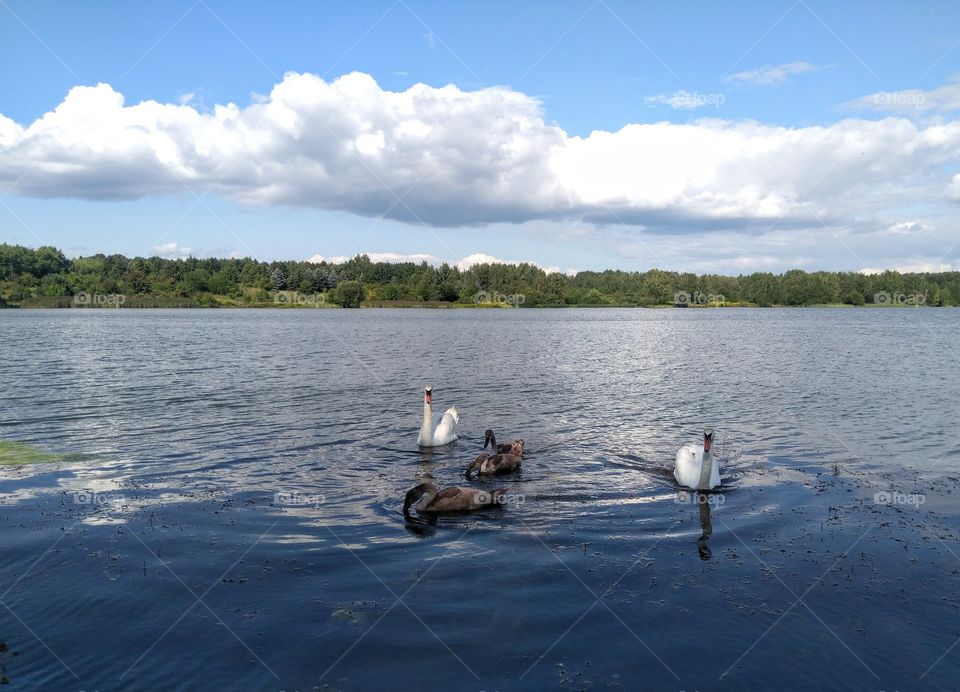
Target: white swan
x=696 y=467
x=445 y=432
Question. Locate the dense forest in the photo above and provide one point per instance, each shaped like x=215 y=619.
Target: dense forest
x=45 y=277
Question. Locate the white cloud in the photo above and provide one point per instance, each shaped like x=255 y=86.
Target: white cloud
x=462 y=264
x=171 y=251
x=905 y=228
x=334 y=259
x=477 y=157
x=953 y=189
x=481 y=258
x=914 y=268
x=391 y=257
x=770 y=75
x=757 y=263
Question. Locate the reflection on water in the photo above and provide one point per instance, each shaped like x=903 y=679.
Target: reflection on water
x=266 y=454
x=421 y=525
x=705 y=526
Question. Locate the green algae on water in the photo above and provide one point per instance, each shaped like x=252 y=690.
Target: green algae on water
x=16 y=453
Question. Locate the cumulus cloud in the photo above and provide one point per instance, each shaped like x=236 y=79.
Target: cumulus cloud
x=332 y=259
x=770 y=75
x=448 y=157
x=482 y=258
x=171 y=251
x=391 y=257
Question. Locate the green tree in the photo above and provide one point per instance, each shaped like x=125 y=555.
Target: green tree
x=137 y=281
x=349 y=294
x=854 y=298
x=194 y=282
x=593 y=297
x=55 y=285
x=224 y=283
x=49 y=260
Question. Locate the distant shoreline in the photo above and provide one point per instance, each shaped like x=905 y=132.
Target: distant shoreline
x=48 y=304
x=46 y=278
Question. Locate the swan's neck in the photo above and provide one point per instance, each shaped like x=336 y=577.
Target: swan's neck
x=493 y=442
x=425 y=500
x=426 y=428
x=705 y=469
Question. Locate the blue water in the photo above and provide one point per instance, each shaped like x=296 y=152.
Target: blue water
x=227 y=512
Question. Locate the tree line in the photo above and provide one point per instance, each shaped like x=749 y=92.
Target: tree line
x=33 y=276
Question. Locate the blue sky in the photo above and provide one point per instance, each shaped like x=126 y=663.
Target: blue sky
x=769 y=79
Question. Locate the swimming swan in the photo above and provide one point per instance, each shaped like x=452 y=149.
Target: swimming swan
x=426 y=498
x=696 y=467
x=485 y=465
x=515 y=447
x=445 y=431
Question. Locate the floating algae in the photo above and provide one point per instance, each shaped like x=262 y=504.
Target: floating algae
x=15 y=453
x=4 y=653
x=353 y=613
x=347 y=615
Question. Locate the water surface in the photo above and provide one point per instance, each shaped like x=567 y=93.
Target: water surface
x=155 y=552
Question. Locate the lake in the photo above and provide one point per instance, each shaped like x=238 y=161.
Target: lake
x=219 y=503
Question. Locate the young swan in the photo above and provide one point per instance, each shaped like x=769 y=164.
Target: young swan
x=426 y=498
x=485 y=465
x=515 y=447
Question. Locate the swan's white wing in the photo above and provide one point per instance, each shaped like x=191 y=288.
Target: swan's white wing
x=689 y=463
x=445 y=432
x=687 y=469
